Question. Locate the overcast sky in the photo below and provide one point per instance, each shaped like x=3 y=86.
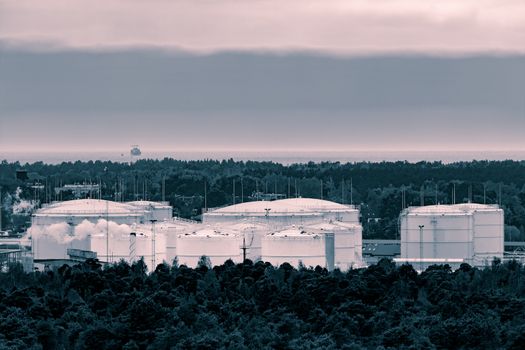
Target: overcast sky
x=283 y=74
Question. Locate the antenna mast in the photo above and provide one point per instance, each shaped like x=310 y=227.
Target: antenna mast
x=343 y=191
x=1 y=208
x=163 y=188
x=233 y=191
x=242 y=191
x=205 y=196
x=352 y=190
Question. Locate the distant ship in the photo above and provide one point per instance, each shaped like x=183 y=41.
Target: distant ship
x=135 y=151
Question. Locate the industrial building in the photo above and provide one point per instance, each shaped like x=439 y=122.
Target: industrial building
x=13 y=250
x=453 y=234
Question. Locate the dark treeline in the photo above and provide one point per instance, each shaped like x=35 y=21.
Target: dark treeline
x=257 y=306
x=379 y=188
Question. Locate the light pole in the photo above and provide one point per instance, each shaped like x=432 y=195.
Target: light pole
x=107 y=221
x=421 y=247
x=153 y=250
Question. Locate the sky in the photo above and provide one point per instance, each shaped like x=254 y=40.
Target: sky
x=251 y=75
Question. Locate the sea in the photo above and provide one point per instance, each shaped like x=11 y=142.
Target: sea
x=283 y=157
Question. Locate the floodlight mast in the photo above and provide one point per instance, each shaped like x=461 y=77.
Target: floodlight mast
x=153 y=250
x=421 y=247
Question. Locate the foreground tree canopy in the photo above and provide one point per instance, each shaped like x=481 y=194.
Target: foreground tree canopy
x=258 y=306
x=378 y=188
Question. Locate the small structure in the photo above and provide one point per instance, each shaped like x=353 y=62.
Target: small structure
x=79 y=190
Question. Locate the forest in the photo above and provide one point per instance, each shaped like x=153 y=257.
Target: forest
x=259 y=306
x=381 y=190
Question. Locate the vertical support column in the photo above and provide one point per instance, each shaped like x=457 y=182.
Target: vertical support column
x=132 y=247
x=153 y=249
x=421 y=247
x=330 y=251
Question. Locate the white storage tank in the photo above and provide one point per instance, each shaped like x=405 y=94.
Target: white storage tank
x=215 y=244
x=70 y=224
x=298 y=246
x=83 y=224
x=347 y=243
x=119 y=246
x=252 y=232
x=470 y=233
x=172 y=229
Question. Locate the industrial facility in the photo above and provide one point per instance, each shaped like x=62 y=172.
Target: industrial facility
x=293 y=231
x=454 y=234
x=303 y=231
x=300 y=231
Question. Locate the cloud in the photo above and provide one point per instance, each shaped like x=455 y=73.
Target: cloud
x=349 y=26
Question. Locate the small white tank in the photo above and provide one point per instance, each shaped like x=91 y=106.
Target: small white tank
x=298 y=246
x=171 y=230
x=119 y=246
x=215 y=244
x=347 y=244
x=252 y=232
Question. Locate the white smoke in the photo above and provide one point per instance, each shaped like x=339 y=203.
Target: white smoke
x=64 y=233
x=60 y=232
x=101 y=227
x=8 y=202
x=17 y=205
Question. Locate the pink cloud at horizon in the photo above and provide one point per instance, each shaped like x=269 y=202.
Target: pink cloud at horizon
x=352 y=26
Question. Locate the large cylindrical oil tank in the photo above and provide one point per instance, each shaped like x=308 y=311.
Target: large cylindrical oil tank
x=213 y=243
x=297 y=246
x=436 y=232
x=347 y=244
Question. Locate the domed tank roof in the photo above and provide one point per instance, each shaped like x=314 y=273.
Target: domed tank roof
x=476 y=206
x=462 y=208
x=83 y=207
x=297 y=232
x=435 y=210
x=333 y=226
x=147 y=204
x=292 y=205
x=208 y=232
x=315 y=204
